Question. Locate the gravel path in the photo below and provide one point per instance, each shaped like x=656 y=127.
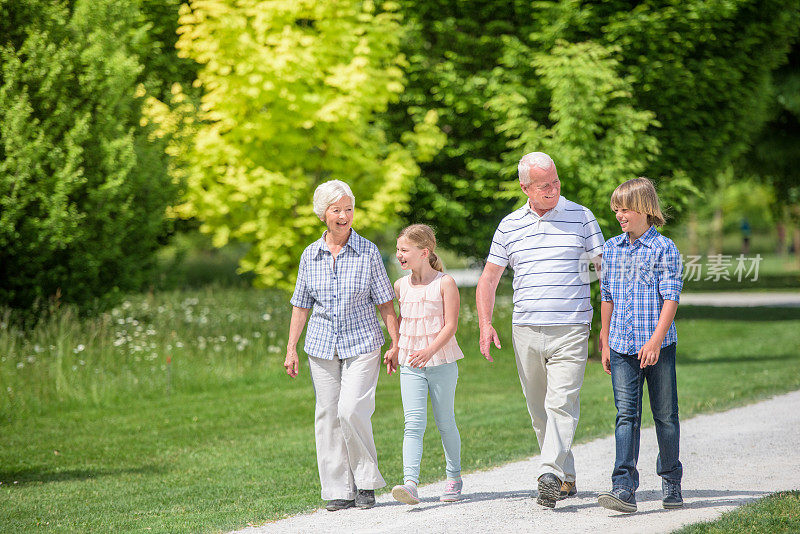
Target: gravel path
x=729 y=459
x=742 y=298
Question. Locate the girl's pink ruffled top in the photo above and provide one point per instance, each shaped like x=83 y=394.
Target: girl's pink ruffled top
x=422 y=312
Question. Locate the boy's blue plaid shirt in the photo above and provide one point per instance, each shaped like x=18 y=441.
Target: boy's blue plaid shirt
x=638 y=278
x=343 y=322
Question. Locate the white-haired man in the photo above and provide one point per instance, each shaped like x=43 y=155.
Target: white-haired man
x=548 y=243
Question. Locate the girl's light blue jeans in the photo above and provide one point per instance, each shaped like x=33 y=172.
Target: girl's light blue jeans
x=415 y=385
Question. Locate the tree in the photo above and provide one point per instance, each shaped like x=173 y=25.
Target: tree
x=774 y=156
x=699 y=69
x=292 y=95
x=157 y=53
x=83 y=192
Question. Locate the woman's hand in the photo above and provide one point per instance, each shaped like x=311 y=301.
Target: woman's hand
x=292 y=363
x=390 y=359
x=419 y=358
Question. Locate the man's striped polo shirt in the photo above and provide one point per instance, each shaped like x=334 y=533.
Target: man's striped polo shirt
x=550 y=259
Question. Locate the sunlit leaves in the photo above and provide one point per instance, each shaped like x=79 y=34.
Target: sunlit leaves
x=292 y=92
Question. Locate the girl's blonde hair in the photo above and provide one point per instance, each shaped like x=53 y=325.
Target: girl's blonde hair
x=422 y=236
x=639 y=195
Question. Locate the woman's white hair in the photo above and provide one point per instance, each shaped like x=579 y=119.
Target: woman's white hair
x=329 y=192
x=533 y=159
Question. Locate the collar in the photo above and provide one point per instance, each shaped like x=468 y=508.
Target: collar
x=646 y=239
x=559 y=207
x=355 y=242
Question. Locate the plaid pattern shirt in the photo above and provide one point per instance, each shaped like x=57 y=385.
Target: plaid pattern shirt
x=638 y=278
x=343 y=295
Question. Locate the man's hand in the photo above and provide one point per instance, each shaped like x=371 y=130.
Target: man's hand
x=488 y=335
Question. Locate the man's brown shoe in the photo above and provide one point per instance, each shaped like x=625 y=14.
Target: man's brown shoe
x=568 y=489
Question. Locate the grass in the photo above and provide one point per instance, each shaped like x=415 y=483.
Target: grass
x=108 y=446
x=776 y=514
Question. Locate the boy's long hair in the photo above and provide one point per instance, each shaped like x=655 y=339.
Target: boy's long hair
x=639 y=195
x=422 y=236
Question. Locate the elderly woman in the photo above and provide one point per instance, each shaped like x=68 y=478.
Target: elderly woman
x=340 y=281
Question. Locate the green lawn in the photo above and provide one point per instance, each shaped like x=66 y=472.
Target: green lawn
x=220 y=437
x=776 y=514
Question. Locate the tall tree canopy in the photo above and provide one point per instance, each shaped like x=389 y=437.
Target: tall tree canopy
x=673 y=90
x=83 y=192
x=292 y=95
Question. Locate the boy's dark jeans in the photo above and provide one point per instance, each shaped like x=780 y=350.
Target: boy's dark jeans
x=627 y=379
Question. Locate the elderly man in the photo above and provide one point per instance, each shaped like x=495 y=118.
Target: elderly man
x=548 y=243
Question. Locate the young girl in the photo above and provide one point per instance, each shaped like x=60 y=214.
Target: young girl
x=640 y=288
x=429 y=305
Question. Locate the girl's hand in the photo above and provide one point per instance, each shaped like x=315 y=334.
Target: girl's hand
x=390 y=360
x=292 y=363
x=419 y=358
x=648 y=354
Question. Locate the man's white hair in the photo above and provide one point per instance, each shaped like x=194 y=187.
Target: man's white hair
x=533 y=159
x=329 y=192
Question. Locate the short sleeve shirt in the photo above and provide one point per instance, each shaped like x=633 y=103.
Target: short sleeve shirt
x=638 y=277
x=343 y=295
x=550 y=256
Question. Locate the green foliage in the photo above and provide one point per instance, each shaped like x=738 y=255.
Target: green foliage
x=157 y=53
x=774 y=155
x=82 y=191
x=670 y=90
x=292 y=96
x=592 y=131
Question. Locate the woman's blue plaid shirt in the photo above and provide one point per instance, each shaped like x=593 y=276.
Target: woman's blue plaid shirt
x=638 y=278
x=343 y=295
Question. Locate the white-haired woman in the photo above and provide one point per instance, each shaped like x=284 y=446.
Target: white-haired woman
x=340 y=281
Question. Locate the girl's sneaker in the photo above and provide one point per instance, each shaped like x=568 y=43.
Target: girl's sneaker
x=452 y=492
x=406 y=493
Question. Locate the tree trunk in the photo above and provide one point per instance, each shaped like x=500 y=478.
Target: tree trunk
x=715 y=243
x=694 y=248
x=780 y=248
x=796 y=233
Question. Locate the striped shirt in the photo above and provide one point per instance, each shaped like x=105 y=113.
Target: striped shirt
x=638 y=278
x=550 y=257
x=343 y=295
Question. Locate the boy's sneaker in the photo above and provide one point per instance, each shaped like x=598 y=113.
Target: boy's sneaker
x=365 y=499
x=549 y=490
x=672 y=494
x=568 y=489
x=339 y=504
x=618 y=499
x=452 y=492
x=406 y=493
